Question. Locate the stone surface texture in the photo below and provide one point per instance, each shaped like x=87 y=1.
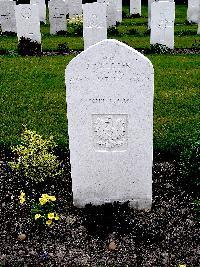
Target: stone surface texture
x=7 y=16
x=162 y=23
x=193 y=11
x=94 y=23
x=57 y=16
x=41 y=9
x=135 y=7
x=28 y=23
x=75 y=8
x=111 y=12
x=110 y=124
x=119 y=10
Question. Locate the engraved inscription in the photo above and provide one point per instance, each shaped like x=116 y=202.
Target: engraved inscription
x=110 y=132
x=26 y=12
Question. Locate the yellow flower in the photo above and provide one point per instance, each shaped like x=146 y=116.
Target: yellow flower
x=37 y=216
x=22 y=200
x=52 y=198
x=182 y=265
x=49 y=222
x=57 y=217
x=22 y=197
x=51 y=216
x=43 y=200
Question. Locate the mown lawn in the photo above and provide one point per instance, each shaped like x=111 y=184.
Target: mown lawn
x=33 y=93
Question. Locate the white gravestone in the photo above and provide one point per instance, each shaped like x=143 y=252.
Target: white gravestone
x=94 y=23
x=7 y=16
x=75 y=8
x=119 y=10
x=135 y=7
x=110 y=124
x=42 y=9
x=193 y=11
x=198 y=30
x=162 y=23
x=111 y=12
x=28 y=23
x=57 y=16
x=149 y=13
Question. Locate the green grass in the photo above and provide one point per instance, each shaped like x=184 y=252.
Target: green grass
x=33 y=94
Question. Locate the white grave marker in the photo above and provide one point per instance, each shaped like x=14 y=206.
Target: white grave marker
x=119 y=10
x=94 y=23
x=110 y=124
x=42 y=9
x=28 y=23
x=135 y=7
x=75 y=8
x=162 y=23
x=57 y=16
x=111 y=12
x=7 y=16
x=193 y=11
x=149 y=13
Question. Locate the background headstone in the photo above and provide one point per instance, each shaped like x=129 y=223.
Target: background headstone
x=193 y=11
x=111 y=12
x=149 y=12
x=162 y=23
x=28 y=23
x=41 y=8
x=119 y=10
x=94 y=23
x=57 y=16
x=75 y=8
x=135 y=7
x=7 y=16
x=110 y=124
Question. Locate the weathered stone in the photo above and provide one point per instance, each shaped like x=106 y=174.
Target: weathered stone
x=162 y=23
x=110 y=124
x=7 y=16
x=28 y=23
x=75 y=8
x=135 y=7
x=41 y=9
x=111 y=12
x=193 y=11
x=94 y=23
x=119 y=10
x=57 y=16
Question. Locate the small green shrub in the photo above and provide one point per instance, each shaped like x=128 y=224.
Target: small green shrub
x=113 y=31
x=28 y=47
x=133 y=32
x=77 y=29
x=124 y=15
x=34 y=158
x=160 y=49
x=63 y=48
x=190 y=163
x=134 y=16
x=61 y=33
x=186 y=32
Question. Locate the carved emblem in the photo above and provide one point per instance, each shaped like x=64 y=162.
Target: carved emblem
x=26 y=12
x=110 y=132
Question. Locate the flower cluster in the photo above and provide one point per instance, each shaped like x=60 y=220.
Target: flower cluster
x=22 y=198
x=46 y=198
x=44 y=211
x=51 y=216
x=75 y=20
